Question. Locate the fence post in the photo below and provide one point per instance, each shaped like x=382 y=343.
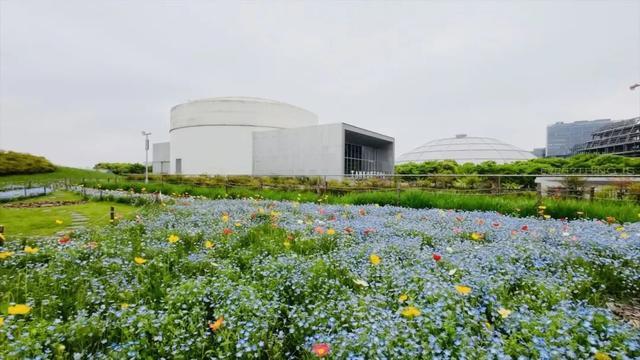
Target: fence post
x=397 y=191
x=2 y=235
x=499 y=184
x=100 y=194
x=112 y=214
x=539 y=193
x=592 y=193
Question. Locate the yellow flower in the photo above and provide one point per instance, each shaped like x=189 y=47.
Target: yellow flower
x=410 y=312
x=504 y=312
x=225 y=218
x=124 y=306
x=463 y=290
x=399 y=216
x=208 y=244
x=620 y=228
x=59 y=222
x=375 y=259
x=331 y=231
x=5 y=254
x=547 y=217
x=287 y=244
x=487 y=325
x=542 y=207
x=602 y=356
x=476 y=236
x=173 y=238
x=19 y=309
x=238 y=224
x=624 y=235
x=1 y=321
x=2 y=238
x=403 y=298
x=138 y=260
x=30 y=250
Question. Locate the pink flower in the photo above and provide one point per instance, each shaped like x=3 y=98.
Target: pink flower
x=437 y=257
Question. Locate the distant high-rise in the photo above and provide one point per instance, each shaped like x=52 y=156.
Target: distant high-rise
x=562 y=137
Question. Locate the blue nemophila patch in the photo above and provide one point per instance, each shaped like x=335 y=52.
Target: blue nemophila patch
x=260 y=279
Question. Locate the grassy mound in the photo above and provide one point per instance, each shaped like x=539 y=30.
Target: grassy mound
x=12 y=163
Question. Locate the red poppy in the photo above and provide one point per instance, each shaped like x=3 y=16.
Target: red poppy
x=436 y=256
x=368 y=231
x=348 y=230
x=322 y=211
x=321 y=350
x=525 y=228
x=496 y=225
x=459 y=218
x=362 y=212
x=333 y=217
x=227 y=231
x=63 y=240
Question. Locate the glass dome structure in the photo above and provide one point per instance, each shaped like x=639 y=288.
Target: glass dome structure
x=466 y=149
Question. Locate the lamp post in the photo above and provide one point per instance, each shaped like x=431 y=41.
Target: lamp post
x=146 y=156
x=633 y=87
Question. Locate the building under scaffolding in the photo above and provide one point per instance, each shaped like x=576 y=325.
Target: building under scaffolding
x=619 y=138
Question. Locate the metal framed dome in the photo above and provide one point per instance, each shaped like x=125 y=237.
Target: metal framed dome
x=466 y=149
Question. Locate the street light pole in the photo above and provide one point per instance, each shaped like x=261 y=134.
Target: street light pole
x=146 y=156
x=633 y=87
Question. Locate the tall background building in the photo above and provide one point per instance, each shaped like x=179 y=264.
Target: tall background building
x=562 y=137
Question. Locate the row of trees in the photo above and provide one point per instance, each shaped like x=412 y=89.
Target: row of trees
x=586 y=163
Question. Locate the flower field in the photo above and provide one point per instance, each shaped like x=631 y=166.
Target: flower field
x=280 y=280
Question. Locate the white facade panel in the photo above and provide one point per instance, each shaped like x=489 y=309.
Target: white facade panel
x=161 y=158
x=313 y=150
x=216 y=150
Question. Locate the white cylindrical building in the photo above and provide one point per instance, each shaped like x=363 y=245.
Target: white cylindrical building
x=215 y=136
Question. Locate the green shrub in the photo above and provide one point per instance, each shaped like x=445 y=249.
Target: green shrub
x=14 y=163
x=121 y=168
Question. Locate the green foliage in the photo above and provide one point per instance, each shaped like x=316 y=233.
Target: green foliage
x=12 y=163
x=585 y=162
x=121 y=168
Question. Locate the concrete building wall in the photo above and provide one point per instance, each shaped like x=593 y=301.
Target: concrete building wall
x=161 y=157
x=312 y=150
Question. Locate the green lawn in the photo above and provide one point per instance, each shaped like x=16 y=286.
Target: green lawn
x=61 y=173
x=20 y=222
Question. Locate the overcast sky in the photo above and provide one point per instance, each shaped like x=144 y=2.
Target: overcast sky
x=79 y=80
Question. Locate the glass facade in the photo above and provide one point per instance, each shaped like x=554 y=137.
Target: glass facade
x=562 y=137
x=359 y=158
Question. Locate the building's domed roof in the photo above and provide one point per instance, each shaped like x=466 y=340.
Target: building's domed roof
x=463 y=149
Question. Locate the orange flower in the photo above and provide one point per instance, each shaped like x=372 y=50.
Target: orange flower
x=227 y=231
x=215 y=326
x=321 y=349
x=63 y=240
x=319 y=230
